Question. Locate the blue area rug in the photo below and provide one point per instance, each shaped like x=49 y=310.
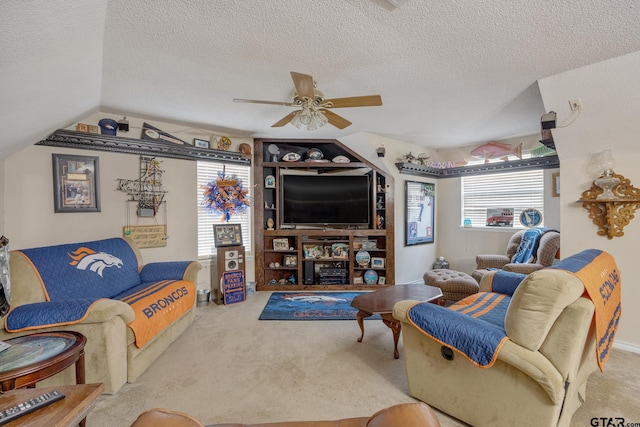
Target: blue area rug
x=310 y=306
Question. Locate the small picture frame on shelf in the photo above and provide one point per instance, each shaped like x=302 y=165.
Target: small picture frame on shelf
x=200 y=143
x=281 y=244
x=358 y=280
x=290 y=261
x=269 y=181
x=377 y=262
x=382 y=280
x=227 y=235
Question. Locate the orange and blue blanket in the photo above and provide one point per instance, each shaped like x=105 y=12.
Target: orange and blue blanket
x=474 y=326
x=75 y=276
x=600 y=276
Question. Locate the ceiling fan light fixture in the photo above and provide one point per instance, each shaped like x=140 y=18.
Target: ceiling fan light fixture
x=296 y=120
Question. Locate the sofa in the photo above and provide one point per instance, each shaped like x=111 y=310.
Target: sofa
x=128 y=311
x=402 y=415
x=520 y=351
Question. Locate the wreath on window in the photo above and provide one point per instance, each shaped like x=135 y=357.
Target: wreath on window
x=226 y=196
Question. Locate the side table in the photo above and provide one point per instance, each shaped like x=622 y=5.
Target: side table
x=32 y=358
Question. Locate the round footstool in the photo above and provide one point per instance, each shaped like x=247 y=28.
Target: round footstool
x=455 y=285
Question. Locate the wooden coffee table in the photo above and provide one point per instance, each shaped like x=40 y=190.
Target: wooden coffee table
x=69 y=411
x=382 y=301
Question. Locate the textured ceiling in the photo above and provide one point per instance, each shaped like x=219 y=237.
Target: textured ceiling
x=450 y=73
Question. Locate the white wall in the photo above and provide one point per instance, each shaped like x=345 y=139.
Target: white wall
x=410 y=261
x=30 y=221
x=609 y=92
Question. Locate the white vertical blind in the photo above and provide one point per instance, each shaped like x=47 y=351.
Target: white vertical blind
x=208 y=171
x=515 y=190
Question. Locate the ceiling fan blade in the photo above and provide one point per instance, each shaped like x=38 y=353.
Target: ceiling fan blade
x=286 y=119
x=355 y=101
x=336 y=120
x=257 y=101
x=303 y=84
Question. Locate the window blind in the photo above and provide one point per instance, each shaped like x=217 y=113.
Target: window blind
x=207 y=172
x=515 y=190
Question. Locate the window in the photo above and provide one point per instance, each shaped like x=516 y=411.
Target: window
x=515 y=190
x=207 y=172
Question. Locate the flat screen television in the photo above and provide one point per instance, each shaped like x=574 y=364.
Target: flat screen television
x=325 y=199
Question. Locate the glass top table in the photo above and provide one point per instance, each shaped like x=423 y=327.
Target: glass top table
x=32 y=358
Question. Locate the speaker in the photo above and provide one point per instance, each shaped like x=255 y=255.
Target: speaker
x=309 y=276
x=231 y=260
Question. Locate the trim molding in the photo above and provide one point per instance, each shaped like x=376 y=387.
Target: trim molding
x=93 y=141
x=546 y=162
x=626 y=346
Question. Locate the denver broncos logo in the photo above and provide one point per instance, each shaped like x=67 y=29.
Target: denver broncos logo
x=84 y=258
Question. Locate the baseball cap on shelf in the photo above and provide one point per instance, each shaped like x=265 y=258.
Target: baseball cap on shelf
x=108 y=126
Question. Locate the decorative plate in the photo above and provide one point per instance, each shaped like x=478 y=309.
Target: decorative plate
x=314 y=154
x=530 y=217
x=341 y=159
x=370 y=277
x=224 y=143
x=291 y=157
x=363 y=258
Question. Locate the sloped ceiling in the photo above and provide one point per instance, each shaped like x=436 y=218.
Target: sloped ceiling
x=450 y=73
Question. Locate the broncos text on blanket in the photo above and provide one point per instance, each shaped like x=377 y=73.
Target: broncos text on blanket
x=601 y=278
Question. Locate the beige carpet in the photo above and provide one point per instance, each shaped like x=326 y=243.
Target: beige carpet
x=231 y=367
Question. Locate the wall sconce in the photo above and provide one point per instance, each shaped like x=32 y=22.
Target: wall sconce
x=380 y=151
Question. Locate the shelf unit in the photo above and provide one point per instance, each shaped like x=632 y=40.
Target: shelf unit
x=319 y=258
x=546 y=162
x=94 y=141
x=612 y=215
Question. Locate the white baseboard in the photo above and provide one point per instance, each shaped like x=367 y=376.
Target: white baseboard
x=621 y=345
x=415 y=282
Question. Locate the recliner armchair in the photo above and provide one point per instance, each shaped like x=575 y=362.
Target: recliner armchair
x=537 y=378
x=548 y=249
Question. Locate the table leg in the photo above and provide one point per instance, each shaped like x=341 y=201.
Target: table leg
x=360 y=318
x=80 y=379
x=395 y=327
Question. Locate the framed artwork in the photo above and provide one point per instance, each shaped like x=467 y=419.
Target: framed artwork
x=382 y=280
x=269 y=181
x=281 y=244
x=200 y=143
x=227 y=235
x=419 y=212
x=377 y=262
x=555 y=184
x=75 y=183
x=290 y=261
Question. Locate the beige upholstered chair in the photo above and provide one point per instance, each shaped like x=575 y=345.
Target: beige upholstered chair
x=548 y=249
x=540 y=373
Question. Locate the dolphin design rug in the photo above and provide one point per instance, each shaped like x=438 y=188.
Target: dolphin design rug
x=310 y=306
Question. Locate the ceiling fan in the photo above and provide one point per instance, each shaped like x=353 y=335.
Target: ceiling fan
x=314 y=109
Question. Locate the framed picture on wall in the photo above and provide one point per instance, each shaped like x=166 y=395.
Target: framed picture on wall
x=419 y=212
x=76 y=183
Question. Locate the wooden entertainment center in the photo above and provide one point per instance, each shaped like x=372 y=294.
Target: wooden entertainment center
x=297 y=257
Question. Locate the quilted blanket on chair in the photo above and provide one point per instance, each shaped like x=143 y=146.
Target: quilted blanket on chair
x=473 y=327
x=601 y=278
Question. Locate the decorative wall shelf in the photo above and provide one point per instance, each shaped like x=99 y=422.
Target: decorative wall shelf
x=547 y=162
x=613 y=214
x=93 y=141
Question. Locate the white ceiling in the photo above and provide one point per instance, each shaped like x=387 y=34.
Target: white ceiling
x=450 y=73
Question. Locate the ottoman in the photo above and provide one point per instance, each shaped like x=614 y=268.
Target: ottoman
x=455 y=285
